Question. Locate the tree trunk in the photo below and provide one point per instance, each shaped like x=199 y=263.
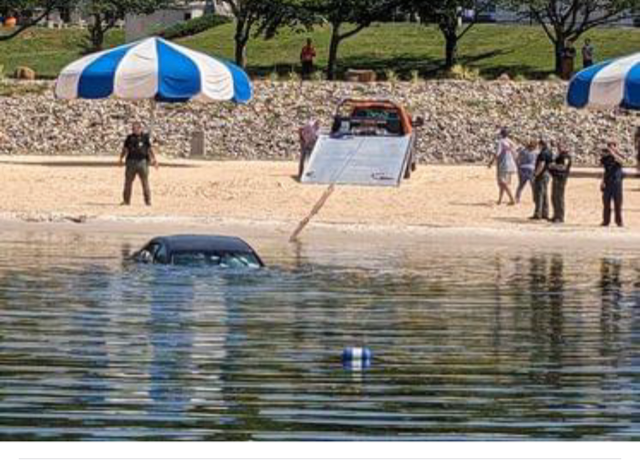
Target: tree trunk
x=451 y=51
x=241 y=39
x=558 y=48
x=96 y=33
x=241 y=53
x=333 y=52
x=65 y=14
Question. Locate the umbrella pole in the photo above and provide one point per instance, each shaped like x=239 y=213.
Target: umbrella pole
x=152 y=118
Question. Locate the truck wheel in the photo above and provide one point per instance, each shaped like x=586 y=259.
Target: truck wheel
x=407 y=172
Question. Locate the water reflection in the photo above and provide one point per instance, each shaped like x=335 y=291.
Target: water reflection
x=473 y=344
x=171 y=338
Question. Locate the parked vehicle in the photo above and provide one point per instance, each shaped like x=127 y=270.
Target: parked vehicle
x=200 y=250
x=371 y=142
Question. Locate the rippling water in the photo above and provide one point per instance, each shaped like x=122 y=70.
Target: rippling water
x=468 y=344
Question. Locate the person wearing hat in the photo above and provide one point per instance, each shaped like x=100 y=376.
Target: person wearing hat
x=138 y=152
x=611 y=186
x=541 y=181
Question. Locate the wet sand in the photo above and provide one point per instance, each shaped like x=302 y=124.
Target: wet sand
x=448 y=202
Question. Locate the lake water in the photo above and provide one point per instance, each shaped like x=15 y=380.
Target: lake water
x=479 y=343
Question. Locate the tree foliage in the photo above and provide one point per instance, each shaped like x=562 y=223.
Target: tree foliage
x=260 y=17
x=194 y=26
x=447 y=16
x=105 y=15
x=30 y=13
x=568 y=20
x=346 y=18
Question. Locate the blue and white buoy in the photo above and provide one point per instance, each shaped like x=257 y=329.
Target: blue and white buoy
x=357 y=358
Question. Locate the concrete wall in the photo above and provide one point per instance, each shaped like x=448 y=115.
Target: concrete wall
x=140 y=26
x=502 y=15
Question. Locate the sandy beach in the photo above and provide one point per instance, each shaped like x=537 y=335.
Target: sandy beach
x=437 y=200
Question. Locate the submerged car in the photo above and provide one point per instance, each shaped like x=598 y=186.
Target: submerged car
x=200 y=250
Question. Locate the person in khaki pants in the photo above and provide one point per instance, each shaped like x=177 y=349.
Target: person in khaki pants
x=138 y=154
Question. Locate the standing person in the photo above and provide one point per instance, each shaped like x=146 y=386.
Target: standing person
x=611 y=186
x=541 y=182
x=308 y=135
x=506 y=165
x=307 y=55
x=139 y=154
x=526 y=168
x=559 y=169
x=568 y=59
x=587 y=54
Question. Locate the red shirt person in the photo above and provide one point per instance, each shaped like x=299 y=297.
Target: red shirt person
x=307 y=55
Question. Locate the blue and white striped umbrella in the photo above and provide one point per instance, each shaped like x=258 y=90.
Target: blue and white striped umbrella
x=615 y=83
x=154 y=69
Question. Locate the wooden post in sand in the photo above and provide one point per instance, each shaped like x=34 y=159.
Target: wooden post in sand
x=316 y=208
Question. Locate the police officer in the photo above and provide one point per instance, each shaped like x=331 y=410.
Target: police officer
x=611 y=185
x=541 y=182
x=559 y=169
x=139 y=154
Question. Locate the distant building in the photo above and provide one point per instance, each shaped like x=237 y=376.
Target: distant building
x=140 y=26
x=498 y=14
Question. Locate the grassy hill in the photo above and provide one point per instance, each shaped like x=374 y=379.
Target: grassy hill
x=403 y=48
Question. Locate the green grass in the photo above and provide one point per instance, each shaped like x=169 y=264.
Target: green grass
x=402 y=48
x=46 y=51
x=8 y=90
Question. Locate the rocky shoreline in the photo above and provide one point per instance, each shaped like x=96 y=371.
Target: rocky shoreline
x=462 y=119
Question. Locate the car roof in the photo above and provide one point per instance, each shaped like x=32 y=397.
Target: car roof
x=177 y=243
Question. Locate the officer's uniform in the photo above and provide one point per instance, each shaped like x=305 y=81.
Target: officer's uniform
x=612 y=190
x=138 y=149
x=558 y=184
x=540 y=185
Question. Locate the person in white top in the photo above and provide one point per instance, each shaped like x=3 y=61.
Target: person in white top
x=506 y=165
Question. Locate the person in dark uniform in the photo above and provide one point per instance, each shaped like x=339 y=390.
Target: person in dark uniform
x=568 y=59
x=138 y=152
x=559 y=170
x=611 y=185
x=541 y=182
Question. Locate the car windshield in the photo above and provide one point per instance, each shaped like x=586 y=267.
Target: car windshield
x=216 y=259
x=369 y=121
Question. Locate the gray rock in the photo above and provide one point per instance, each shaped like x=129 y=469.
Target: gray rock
x=462 y=120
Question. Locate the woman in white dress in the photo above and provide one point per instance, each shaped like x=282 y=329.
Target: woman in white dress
x=506 y=165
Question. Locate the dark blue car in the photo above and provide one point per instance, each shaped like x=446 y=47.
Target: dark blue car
x=200 y=250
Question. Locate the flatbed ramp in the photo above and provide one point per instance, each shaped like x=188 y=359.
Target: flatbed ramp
x=358 y=160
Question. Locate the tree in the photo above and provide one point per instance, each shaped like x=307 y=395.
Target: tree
x=448 y=16
x=567 y=20
x=30 y=12
x=347 y=18
x=260 y=17
x=105 y=15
